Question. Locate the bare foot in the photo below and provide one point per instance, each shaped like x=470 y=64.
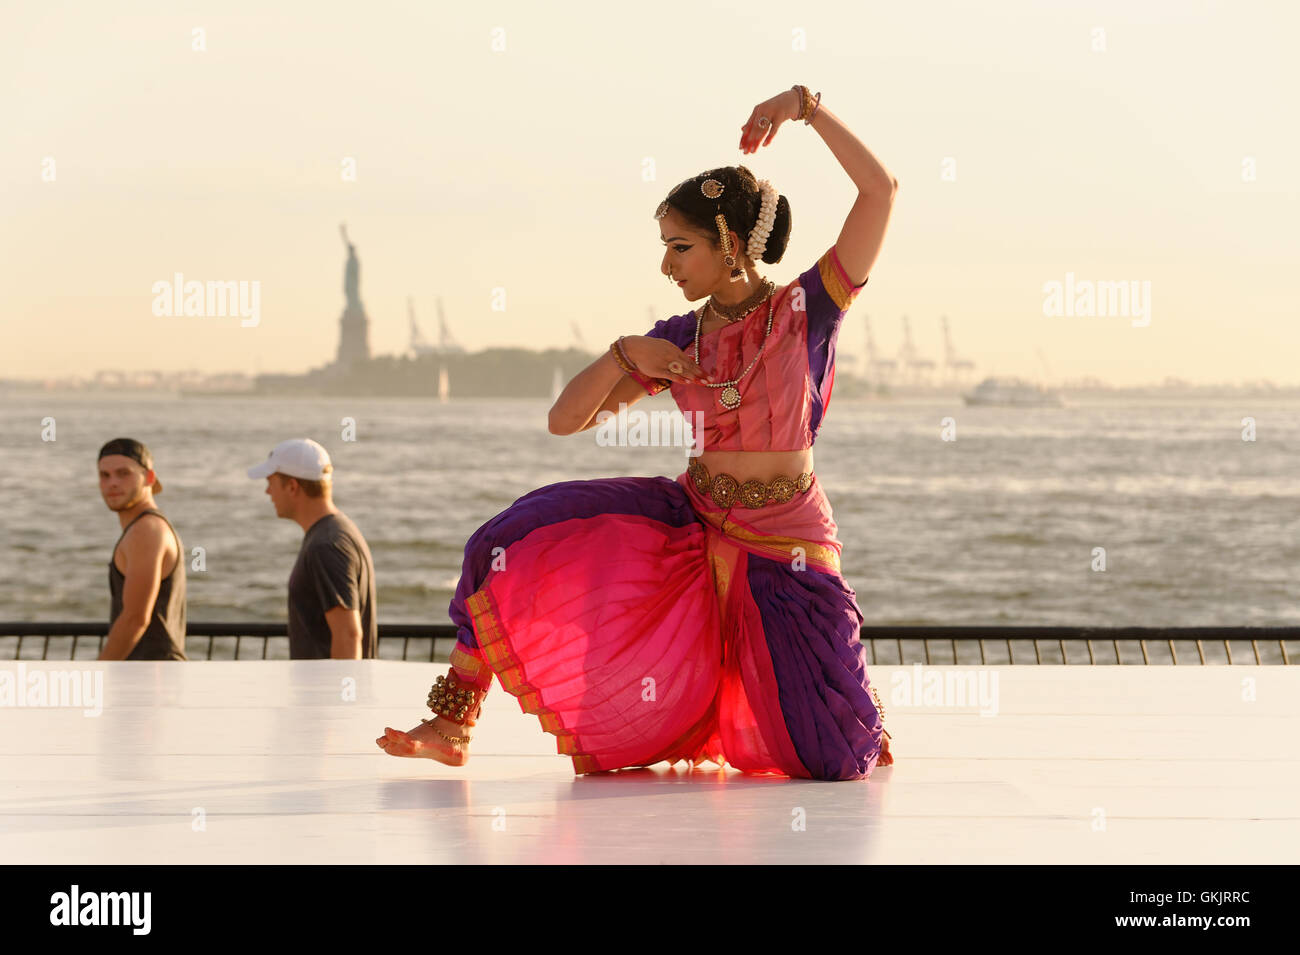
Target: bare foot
x=423 y=741
x=886 y=758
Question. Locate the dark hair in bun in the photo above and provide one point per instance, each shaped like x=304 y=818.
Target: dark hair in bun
x=740 y=202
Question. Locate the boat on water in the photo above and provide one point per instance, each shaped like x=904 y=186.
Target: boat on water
x=1016 y=392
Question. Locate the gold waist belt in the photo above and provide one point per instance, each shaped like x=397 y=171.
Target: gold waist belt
x=725 y=490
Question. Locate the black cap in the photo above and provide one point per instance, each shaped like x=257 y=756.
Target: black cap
x=131 y=448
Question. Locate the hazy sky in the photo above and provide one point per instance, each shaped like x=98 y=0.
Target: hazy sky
x=522 y=168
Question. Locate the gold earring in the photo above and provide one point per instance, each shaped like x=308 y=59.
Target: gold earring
x=737 y=272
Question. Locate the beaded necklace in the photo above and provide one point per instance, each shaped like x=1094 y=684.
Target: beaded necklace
x=730 y=397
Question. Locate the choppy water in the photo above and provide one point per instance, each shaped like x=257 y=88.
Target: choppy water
x=999 y=526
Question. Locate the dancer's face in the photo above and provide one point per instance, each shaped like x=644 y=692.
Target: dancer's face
x=690 y=256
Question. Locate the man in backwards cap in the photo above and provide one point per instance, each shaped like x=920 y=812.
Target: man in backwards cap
x=146 y=575
x=332 y=586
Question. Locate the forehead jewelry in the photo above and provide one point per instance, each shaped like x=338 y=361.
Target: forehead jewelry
x=711 y=189
x=663 y=208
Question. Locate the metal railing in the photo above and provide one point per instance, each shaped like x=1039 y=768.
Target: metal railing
x=1128 y=645
x=938 y=645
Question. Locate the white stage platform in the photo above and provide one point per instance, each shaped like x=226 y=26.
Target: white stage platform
x=265 y=762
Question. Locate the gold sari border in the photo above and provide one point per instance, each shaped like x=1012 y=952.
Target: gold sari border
x=774 y=547
x=835 y=280
x=495 y=646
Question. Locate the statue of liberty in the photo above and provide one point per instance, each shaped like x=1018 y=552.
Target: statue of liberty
x=354 y=345
x=352 y=272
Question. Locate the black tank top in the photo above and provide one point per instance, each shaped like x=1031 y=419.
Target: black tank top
x=164 y=637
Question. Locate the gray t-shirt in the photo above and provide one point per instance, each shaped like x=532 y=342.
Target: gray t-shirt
x=333 y=569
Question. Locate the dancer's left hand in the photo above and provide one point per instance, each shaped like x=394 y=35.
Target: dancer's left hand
x=780 y=108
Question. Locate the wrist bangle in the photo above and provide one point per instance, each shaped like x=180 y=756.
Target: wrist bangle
x=652 y=385
x=616 y=352
x=804 y=99
x=816 y=106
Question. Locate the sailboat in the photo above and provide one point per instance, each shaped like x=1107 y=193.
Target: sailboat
x=557 y=383
x=443 y=388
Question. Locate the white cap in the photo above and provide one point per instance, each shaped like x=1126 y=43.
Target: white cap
x=298 y=457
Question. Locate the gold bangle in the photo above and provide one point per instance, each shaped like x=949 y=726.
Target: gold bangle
x=652 y=385
x=619 y=358
x=622 y=350
x=804 y=99
x=816 y=106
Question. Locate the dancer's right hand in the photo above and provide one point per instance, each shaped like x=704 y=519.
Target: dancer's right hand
x=652 y=357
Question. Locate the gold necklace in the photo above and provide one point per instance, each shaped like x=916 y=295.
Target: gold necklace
x=730 y=397
x=734 y=313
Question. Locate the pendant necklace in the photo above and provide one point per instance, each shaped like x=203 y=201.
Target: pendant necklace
x=730 y=397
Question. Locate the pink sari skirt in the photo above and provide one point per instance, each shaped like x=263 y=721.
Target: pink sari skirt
x=642 y=623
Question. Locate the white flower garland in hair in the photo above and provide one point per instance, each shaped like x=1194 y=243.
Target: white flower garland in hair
x=757 y=243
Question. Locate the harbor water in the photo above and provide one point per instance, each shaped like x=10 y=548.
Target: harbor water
x=1142 y=512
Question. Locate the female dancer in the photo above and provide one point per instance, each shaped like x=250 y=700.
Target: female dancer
x=702 y=618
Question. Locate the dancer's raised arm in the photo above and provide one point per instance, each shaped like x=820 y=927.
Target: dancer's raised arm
x=864 y=229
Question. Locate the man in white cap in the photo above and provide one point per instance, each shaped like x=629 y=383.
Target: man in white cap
x=332 y=587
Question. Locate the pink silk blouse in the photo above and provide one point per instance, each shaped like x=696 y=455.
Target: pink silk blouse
x=785 y=395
